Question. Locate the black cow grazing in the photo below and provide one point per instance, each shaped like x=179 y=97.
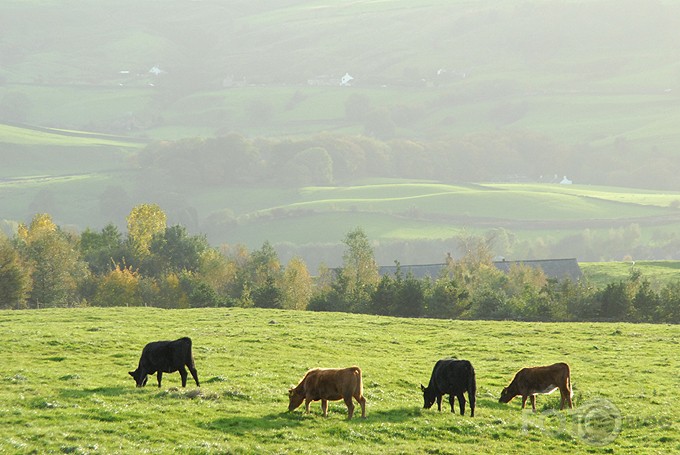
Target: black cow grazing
x=454 y=377
x=165 y=357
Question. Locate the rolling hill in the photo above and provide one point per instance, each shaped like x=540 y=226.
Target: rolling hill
x=84 y=89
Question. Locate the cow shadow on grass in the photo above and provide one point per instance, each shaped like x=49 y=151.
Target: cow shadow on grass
x=239 y=424
x=395 y=415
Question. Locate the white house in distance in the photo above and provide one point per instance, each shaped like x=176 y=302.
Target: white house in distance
x=346 y=80
x=156 y=71
x=565 y=181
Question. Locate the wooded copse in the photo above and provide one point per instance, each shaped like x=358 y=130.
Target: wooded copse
x=163 y=266
x=505 y=155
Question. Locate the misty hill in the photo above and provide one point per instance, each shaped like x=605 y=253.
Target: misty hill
x=538 y=44
x=510 y=92
x=572 y=70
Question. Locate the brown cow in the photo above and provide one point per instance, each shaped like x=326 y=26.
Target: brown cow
x=530 y=381
x=329 y=384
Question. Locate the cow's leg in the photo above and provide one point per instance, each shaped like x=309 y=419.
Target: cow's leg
x=472 y=398
x=439 y=403
x=565 y=398
x=524 y=401
x=533 y=403
x=452 y=399
x=183 y=374
x=194 y=374
x=461 y=403
x=350 y=406
x=324 y=407
x=566 y=395
x=307 y=401
x=159 y=376
x=362 y=403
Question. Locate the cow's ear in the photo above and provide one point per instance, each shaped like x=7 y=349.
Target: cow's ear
x=422 y=387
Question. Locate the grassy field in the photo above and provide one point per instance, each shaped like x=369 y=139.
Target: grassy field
x=66 y=388
x=657 y=272
x=402 y=211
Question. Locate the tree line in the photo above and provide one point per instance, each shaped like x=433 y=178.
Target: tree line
x=503 y=155
x=158 y=265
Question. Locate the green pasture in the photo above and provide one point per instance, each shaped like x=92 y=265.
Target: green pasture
x=50 y=137
x=514 y=204
x=508 y=201
x=635 y=196
x=657 y=272
x=644 y=120
x=66 y=387
x=386 y=210
x=403 y=211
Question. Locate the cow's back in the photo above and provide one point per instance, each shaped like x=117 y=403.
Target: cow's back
x=167 y=356
x=333 y=384
x=454 y=376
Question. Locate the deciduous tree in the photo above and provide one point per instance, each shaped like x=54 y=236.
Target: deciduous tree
x=359 y=272
x=296 y=285
x=15 y=280
x=143 y=222
x=56 y=265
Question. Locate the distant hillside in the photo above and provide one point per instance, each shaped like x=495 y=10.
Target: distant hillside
x=579 y=72
x=592 y=94
x=200 y=44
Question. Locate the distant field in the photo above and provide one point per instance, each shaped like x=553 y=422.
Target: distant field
x=388 y=211
x=657 y=272
x=66 y=388
x=402 y=211
x=60 y=138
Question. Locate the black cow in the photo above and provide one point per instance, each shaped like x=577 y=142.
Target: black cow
x=453 y=377
x=165 y=357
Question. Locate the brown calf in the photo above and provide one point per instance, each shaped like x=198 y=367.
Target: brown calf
x=329 y=384
x=530 y=381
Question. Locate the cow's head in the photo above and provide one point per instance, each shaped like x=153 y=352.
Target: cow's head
x=506 y=395
x=139 y=377
x=295 y=399
x=429 y=396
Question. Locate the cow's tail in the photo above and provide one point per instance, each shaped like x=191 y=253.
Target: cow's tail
x=360 y=385
x=190 y=351
x=571 y=391
x=472 y=381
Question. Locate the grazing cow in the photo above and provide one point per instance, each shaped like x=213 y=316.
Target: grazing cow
x=454 y=377
x=165 y=357
x=329 y=384
x=530 y=381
